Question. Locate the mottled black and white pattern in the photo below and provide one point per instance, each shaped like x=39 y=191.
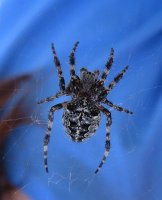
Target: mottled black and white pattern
x=81 y=116
x=81 y=119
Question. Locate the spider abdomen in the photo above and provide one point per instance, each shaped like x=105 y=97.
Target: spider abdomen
x=80 y=120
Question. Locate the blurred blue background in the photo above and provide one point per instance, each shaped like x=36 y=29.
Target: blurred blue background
x=133 y=170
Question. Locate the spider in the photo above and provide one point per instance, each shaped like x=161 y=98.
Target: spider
x=81 y=115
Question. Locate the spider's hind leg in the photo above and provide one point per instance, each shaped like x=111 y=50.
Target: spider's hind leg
x=107 y=143
x=59 y=70
x=49 y=128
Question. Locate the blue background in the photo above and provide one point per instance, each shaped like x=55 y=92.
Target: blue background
x=133 y=170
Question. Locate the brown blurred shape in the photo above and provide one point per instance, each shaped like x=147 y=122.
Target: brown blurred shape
x=16 y=116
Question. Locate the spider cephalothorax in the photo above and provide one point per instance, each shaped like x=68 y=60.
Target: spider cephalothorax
x=81 y=115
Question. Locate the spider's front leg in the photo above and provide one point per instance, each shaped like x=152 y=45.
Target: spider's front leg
x=59 y=70
x=107 y=143
x=116 y=79
x=72 y=60
x=109 y=103
x=107 y=67
x=112 y=84
x=49 y=128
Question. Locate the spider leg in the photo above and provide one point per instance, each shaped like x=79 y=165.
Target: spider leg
x=107 y=143
x=108 y=66
x=58 y=94
x=109 y=103
x=49 y=127
x=59 y=70
x=117 y=79
x=72 y=59
x=107 y=90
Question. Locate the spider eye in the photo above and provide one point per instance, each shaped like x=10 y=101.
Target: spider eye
x=83 y=70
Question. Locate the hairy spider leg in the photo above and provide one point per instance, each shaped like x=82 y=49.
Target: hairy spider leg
x=49 y=128
x=116 y=79
x=109 y=103
x=113 y=83
x=59 y=70
x=107 y=66
x=107 y=143
x=72 y=59
x=57 y=95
